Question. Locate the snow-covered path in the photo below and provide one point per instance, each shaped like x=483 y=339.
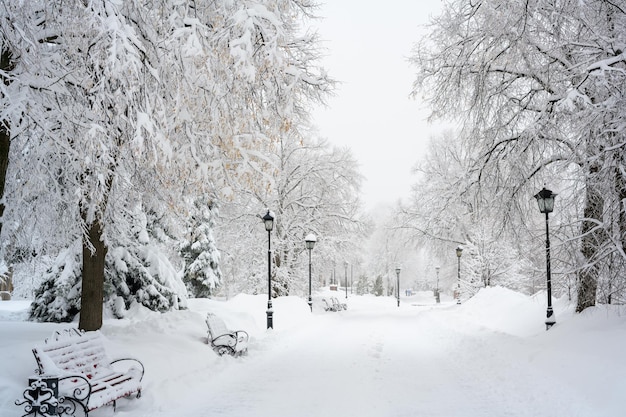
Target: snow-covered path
x=490 y=357
x=411 y=361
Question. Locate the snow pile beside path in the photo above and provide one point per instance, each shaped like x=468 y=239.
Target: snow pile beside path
x=507 y=311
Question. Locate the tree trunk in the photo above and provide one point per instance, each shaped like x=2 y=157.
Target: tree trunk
x=620 y=185
x=5 y=143
x=592 y=240
x=6 y=65
x=93 y=278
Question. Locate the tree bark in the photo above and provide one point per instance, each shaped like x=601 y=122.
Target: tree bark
x=592 y=239
x=93 y=278
x=6 y=65
x=620 y=179
x=5 y=144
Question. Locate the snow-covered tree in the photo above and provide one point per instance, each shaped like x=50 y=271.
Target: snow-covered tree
x=364 y=285
x=441 y=214
x=378 y=289
x=155 y=103
x=202 y=274
x=538 y=87
x=57 y=299
x=313 y=189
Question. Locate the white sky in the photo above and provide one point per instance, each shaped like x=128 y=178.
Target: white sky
x=368 y=45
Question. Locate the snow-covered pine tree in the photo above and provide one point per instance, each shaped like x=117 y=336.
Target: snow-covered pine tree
x=378 y=289
x=202 y=274
x=139 y=270
x=57 y=299
x=364 y=285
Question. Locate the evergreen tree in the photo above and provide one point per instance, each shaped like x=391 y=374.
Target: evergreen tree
x=57 y=299
x=202 y=273
x=378 y=286
x=363 y=285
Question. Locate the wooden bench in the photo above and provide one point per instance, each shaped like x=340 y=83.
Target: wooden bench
x=223 y=340
x=84 y=371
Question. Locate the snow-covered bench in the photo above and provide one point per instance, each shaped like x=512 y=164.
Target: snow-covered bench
x=328 y=306
x=84 y=372
x=338 y=305
x=223 y=340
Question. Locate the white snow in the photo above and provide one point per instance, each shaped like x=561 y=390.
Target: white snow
x=490 y=356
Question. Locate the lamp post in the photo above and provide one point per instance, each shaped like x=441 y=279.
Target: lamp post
x=268 y=220
x=459 y=252
x=345 y=267
x=545 y=200
x=398 y=269
x=437 y=298
x=310 y=240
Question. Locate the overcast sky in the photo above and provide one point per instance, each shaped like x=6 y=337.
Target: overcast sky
x=368 y=45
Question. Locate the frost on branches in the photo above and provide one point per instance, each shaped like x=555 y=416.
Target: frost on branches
x=118 y=104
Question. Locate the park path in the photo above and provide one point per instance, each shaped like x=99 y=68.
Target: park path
x=410 y=361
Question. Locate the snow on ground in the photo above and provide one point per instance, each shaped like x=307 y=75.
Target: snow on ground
x=490 y=356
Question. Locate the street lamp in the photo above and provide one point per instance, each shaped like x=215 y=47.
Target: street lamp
x=437 y=287
x=545 y=199
x=459 y=252
x=345 y=267
x=310 y=240
x=398 y=269
x=268 y=220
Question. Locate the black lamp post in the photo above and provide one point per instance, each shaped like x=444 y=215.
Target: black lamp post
x=545 y=199
x=459 y=252
x=345 y=267
x=268 y=220
x=398 y=269
x=437 y=298
x=310 y=240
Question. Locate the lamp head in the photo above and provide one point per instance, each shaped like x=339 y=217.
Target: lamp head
x=268 y=220
x=545 y=200
x=310 y=240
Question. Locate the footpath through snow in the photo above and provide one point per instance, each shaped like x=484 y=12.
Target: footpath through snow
x=489 y=357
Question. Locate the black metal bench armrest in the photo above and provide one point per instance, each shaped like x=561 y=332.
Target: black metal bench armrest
x=242 y=335
x=228 y=339
x=79 y=393
x=133 y=360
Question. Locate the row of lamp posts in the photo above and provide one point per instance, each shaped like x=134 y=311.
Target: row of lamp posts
x=309 y=240
x=545 y=200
